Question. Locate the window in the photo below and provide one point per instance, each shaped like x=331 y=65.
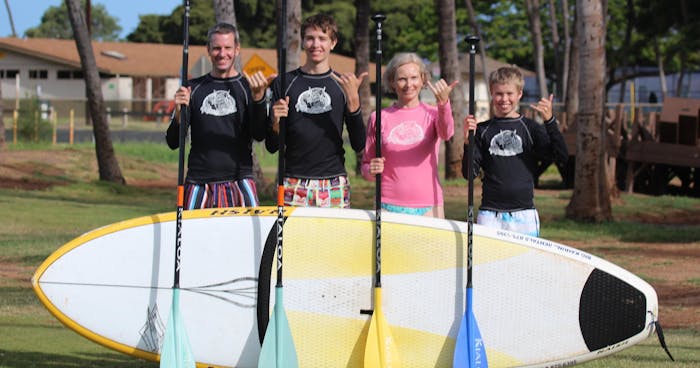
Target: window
x=11 y=73
x=69 y=74
x=38 y=74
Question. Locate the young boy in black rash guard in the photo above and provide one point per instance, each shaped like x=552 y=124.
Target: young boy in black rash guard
x=225 y=117
x=315 y=103
x=506 y=150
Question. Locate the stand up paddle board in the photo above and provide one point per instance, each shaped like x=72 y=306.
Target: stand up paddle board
x=537 y=302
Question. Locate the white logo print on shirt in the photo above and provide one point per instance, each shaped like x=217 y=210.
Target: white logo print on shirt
x=506 y=143
x=218 y=103
x=314 y=101
x=406 y=134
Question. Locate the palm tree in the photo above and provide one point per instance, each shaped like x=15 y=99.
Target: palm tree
x=533 y=15
x=591 y=197
x=293 y=34
x=225 y=11
x=9 y=15
x=107 y=164
x=449 y=68
x=362 y=63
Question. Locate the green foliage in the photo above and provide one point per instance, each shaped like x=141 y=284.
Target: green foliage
x=56 y=24
x=148 y=29
x=30 y=125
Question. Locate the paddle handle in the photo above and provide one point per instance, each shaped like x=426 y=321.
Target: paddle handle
x=282 y=67
x=378 y=18
x=182 y=132
x=472 y=41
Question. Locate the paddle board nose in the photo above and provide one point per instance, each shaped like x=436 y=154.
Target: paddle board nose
x=610 y=311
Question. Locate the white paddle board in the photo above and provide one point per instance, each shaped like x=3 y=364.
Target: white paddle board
x=537 y=302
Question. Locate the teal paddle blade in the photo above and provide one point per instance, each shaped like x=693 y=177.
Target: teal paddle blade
x=469 y=347
x=176 y=351
x=278 y=349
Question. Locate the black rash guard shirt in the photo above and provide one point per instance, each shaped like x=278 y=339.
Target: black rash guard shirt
x=507 y=149
x=314 y=140
x=223 y=122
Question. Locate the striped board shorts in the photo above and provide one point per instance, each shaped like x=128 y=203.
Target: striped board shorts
x=239 y=193
x=523 y=221
x=333 y=192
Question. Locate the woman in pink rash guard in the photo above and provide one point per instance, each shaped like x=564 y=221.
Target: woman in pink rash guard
x=411 y=135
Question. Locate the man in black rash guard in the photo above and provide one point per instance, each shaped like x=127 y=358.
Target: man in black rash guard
x=315 y=102
x=506 y=150
x=225 y=117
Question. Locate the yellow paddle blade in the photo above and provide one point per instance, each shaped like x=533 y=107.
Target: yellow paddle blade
x=380 y=348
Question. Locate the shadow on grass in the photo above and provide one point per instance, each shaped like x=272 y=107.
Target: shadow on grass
x=34 y=359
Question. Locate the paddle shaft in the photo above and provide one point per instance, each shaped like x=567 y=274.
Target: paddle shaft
x=472 y=41
x=282 y=67
x=378 y=18
x=184 y=120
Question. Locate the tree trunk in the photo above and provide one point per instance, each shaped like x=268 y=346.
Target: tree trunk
x=591 y=199
x=572 y=81
x=362 y=64
x=556 y=45
x=660 y=65
x=12 y=23
x=2 y=124
x=293 y=34
x=533 y=15
x=450 y=71
x=567 y=52
x=225 y=11
x=106 y=160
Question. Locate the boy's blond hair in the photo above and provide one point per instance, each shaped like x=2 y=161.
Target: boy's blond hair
x=507 y=75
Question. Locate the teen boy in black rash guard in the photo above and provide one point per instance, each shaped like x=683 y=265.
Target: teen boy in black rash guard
x=225 y=117
x=316 y=102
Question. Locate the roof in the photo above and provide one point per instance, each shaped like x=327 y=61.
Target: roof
x=142 y=59
x=491 y=65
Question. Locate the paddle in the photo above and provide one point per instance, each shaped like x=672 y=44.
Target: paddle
x=380 y=349
x=278 y=349
x=176 y=351
x=469 y=347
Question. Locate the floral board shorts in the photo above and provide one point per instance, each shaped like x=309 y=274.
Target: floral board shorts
x=333 y=192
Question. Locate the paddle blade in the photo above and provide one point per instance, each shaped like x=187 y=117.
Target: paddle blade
x=469 y=347
x=176 y=351
x=278 y=349
x=380 y=348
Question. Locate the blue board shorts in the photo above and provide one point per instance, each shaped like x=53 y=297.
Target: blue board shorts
x=523 y=221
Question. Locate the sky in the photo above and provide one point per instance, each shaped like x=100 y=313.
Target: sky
x=27 y=13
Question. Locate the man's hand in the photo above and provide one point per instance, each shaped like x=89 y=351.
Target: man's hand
x=258 y=84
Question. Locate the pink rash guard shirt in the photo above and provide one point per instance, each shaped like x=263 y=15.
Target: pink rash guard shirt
x=411 y=140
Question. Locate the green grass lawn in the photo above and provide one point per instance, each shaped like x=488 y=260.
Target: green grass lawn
x=36 y=223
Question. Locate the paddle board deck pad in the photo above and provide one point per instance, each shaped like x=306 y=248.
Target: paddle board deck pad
x=537 y=302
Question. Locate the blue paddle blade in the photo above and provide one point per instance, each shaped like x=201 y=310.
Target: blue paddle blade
x=469 y=347
x=176 y=351
x=278 y=349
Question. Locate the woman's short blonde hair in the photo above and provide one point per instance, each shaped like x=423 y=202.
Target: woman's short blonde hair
x=399 y=60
